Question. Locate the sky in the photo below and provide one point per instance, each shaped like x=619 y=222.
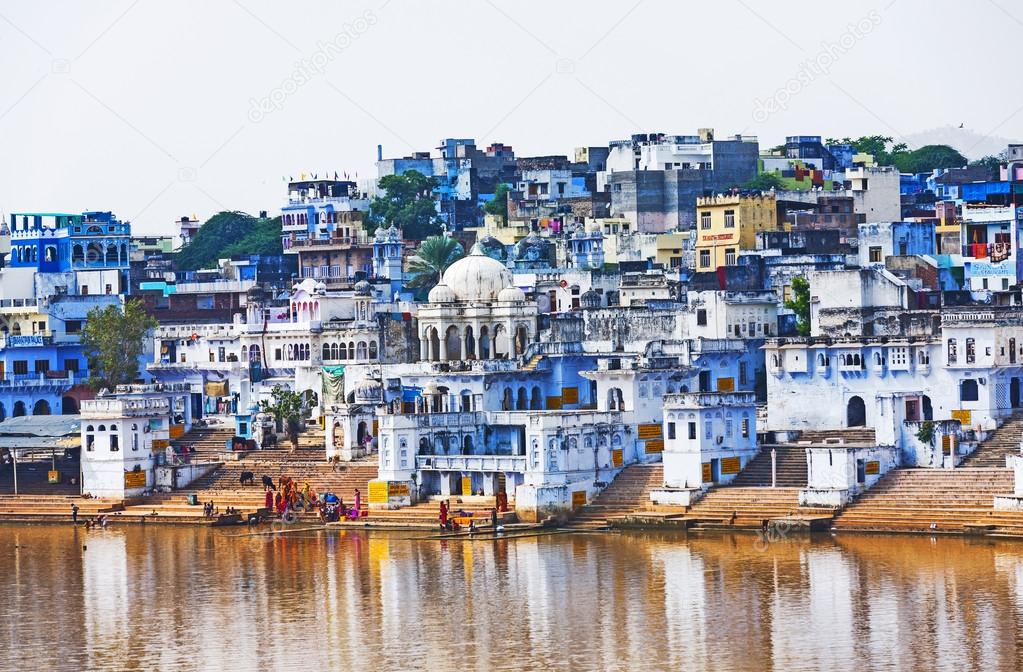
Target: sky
x=156 y=110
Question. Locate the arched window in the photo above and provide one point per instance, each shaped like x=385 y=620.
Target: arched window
x=372 y=349
x=328 y=353
x=343 y=351
x=361 y=352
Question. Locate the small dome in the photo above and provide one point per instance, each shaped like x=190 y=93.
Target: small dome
x=363 y=288
x=580 y=232
x=320 y=288
x=477 y=277
x=511 y=295
x=380 y=236
x=441 y=294
x=368 y=390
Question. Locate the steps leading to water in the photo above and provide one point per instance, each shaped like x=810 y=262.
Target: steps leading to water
x=791 y=468
x=627 y=493
x=1004 y=441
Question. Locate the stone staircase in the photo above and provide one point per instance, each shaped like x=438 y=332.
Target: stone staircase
x=207 y=440
x=1004 y=441
x=628 y=493
x=748 y=507
x=533 y=362
x=855 y=436
x=791 y=468
x=934 y=500
x=426 y=515
x=55 y=508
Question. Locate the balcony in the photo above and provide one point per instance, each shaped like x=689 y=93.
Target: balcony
x=502 y=463
x=54 y=379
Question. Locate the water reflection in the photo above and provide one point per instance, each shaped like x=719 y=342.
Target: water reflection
x=187 y=598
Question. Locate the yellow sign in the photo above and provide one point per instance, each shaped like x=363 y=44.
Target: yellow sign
x=378 y=492
x=963 y=417
x=553 y=403
x=616 y=457
x=397 y=489
x=466 y=485
x=176 y=431
x=53 y=477
x=730 y=465
x=570 y=395
x=654 y=446
x=873 y=467
x=650 y=431
x=578 y=499
x=708 y=475
x=160 y=444
x=376 y=428
x=726 y=384
x=134 y=479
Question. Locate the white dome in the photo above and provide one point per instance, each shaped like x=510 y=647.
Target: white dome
x=441 y=294
x=511 y=295
x=477 y=277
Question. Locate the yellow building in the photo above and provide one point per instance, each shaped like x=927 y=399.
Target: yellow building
x=728 y=224
x=671 y=249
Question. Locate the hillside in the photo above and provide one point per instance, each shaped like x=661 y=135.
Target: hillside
x=229 y=233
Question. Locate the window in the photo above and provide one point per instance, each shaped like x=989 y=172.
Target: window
x=952 y=354
x=671 y=430
x=42 y=366
x=692 y=431
x=971 y=350
x=71 y=365
x=704 y=220
x=745 y=428
x=701 y=317
x=730 y=256
x=708 y=429
x=72 y=326
x=875 y=255
x=114 y=445
x=20 y=367
x=968 y=390
x=728 y=427
x=729 y=219
x=704 y=258
x=743 y=373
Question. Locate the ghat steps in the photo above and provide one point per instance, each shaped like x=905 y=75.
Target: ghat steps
x=1002 y=442
x=627 y=493
x=791 y=468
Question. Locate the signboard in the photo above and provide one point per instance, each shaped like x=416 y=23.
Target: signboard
x=873 y=468
x=948 y=443
x=616 y=457
x=654 y=446
x=378 y=492
x=53 y=477
x=963 y=417
x=134 y=479
x=578 y=499
x=726 y=384
x=708 y=475
x=570 y=395
x=160 y=444
x=466 y=485
x=397 y=489
x=649 y=431
x=730 y=465
x=553 y=403
x=176 y=431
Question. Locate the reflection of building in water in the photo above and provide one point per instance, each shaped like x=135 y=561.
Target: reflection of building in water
x=685 y=602
x=107 y=598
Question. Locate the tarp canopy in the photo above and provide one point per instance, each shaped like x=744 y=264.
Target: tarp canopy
x=41 y=425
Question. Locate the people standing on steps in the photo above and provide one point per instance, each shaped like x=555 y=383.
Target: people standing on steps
x=74 y=513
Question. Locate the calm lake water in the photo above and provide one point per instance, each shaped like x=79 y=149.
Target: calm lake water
x=163 y=598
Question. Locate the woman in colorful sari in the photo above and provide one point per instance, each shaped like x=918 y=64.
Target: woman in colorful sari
x=268 y=503
x=358 y=503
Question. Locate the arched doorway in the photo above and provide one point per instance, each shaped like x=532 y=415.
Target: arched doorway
x=1014 y=393
x=434 y=345
x=42 y=407
x=68 y=406
x=928 y=410
x=521 y=403
x=19 y=409
x=470 y=344
x=452 y=344
x=484 y=343
x=856 y=413
x=500 y=342
x=360 y=434
x=535 y=402
x=521 y=339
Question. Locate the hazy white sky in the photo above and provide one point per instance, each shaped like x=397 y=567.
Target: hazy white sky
x=159 y=109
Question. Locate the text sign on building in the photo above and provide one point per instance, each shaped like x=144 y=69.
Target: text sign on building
x=654 y=446
x=578 y=499
x=872 y=468
x=616 y=457
x=649 y=431
x=134 y=479
x=730 y=465
x=378 y=492
x=708 y=474
x=964 y=417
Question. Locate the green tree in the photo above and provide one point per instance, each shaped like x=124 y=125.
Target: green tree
x=800 y=305
x=113 y=340
x=927 y=158
x=228 y=233
x=876 y=145
x=430 y=261
x=992 y=162
x=498 y=207
x=408 y=204
x=287 y=409
x=764 y=182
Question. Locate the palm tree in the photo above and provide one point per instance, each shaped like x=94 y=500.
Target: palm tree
x=432 y=258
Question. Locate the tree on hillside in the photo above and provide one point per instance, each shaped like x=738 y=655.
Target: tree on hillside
x=992 y=162
x=113 y=340
x=430 y=261
x=800 y=305
x=927 y=158
x=408 y=204
x=498 y=207
x=229 y=233
x=287 y=409
x=764 y=182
